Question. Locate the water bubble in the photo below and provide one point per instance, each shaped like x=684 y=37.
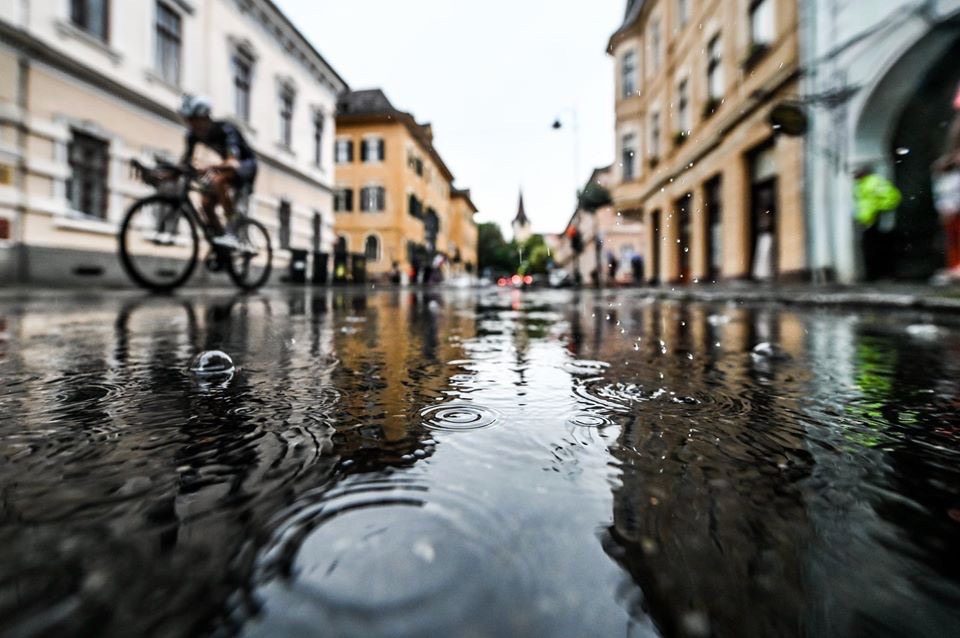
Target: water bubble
x=212 y=363
x=901 y=151
x=584 y=420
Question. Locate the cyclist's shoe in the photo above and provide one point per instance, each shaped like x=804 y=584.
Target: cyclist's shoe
x=163 y=239
x=227 y=240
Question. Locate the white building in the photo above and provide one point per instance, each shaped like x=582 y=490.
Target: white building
x=879 y=79
x=88 y=85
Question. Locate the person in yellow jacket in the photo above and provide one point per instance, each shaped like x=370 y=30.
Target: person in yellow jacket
x=876 y=201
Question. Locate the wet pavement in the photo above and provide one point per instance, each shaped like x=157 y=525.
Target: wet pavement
x=476 y=463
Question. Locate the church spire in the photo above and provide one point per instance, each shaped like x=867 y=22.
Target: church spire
x=521 y=218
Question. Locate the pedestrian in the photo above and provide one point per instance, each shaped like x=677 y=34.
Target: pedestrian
x=636 y=265
x=876 y=209
x=613 y=265
x=946 y=193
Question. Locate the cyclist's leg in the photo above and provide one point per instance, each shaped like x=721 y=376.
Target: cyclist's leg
x=209 y=207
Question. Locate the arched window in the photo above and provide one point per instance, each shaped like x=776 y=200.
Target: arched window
x=372 y=248
x=341 y=247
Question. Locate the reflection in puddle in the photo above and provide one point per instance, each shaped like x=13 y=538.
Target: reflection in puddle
x=476 y=464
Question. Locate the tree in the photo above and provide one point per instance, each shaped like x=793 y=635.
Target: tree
x=594 y=197
x=493 y=251
x=536 y=255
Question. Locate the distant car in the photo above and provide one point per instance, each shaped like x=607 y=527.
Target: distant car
x=517 y=281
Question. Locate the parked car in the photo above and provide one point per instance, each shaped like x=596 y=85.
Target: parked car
x=560 y=278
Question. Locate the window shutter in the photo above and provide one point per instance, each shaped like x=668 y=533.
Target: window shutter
x=350 y=150
x=349 y=198
x=363 y=199
x=381 y=148
x=364 y=150
x=381 y=197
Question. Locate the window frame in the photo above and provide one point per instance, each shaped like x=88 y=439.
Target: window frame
x=242 y=93
x=343 y=200
x=373 y=199
x=628 y=156
x=343 y=143
x=288 y=98
x=165 y=35
x=756 y=7
x=285 y=222
x=628 y=74
x=366 y=248
x=83 y=172
x=319 y=128
x=715 y=68
x=80 y=17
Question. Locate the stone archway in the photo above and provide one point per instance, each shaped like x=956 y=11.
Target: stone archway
x=901 y=129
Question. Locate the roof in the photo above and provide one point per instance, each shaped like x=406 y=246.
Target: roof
x=372 y=105
x=630 y=17
x=521 y=217
x=463 y=193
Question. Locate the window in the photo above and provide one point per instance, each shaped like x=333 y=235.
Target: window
x=629 y=152
x=343 y=200
x=87 y=185
x=655 y=135
x=92 y=16
x=373 y=199
x=629 y=70
x=242 y=83
x=714 y=70
x=683 y=107
x=415 y=163
x=415 y=207
x=284 y=232
x=762 y=24
x=287 y=96
x=371 y=248
x=318 y=139
x=344 y=151
x=317 y=231
x=372 y=150
x=683 y=12
x=169 y=43
x=655 y=45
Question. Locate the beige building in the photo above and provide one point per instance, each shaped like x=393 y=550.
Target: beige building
x=606 y=235
x=395 y=201
x=88 y=85
x=718 y=190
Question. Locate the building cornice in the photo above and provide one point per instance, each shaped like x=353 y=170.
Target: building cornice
x=407 y=121
x=269 y=17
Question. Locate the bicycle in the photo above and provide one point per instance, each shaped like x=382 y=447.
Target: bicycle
x=158 y=239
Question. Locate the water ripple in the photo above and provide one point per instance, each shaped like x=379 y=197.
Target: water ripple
x=459 y=416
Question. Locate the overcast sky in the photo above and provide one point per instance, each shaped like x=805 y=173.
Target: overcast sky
x=491 y=76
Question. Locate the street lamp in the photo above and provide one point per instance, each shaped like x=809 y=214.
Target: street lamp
x=575 y=126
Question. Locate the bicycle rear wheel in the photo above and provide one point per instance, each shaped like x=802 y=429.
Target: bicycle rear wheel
x=159 y=243
x=249 y=266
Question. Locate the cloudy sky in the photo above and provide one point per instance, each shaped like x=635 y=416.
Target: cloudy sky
x=491 y=77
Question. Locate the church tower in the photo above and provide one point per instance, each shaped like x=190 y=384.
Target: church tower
x=520 y=224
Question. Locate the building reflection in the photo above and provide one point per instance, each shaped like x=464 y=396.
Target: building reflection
x=708 y=516
x=117 y=444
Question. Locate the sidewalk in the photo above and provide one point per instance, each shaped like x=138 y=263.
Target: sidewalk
x=918 y=296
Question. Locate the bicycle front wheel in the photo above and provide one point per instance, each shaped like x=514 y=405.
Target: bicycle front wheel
x=250 y=264
x=159 y=243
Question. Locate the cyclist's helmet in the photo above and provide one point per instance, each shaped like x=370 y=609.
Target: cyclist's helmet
x=195 y=106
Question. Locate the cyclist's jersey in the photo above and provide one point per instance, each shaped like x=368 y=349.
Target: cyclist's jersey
x=225 y=140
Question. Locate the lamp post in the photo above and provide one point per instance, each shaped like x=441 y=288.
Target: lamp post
x=575 y=126
x=558 y=123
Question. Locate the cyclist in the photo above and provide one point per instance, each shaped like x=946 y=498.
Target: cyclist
x=236 y=171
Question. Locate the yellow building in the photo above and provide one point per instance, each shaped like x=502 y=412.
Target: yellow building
x=718 y=190
x=394 y=201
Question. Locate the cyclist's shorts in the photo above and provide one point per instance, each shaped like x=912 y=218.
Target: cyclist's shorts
x=246 y=173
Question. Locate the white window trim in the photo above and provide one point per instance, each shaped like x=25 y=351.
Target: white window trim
x=368 y=138
x=379 y=239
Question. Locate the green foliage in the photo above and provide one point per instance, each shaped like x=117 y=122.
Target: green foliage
x=594 y=196
x=494 y=251
x=505 y=257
